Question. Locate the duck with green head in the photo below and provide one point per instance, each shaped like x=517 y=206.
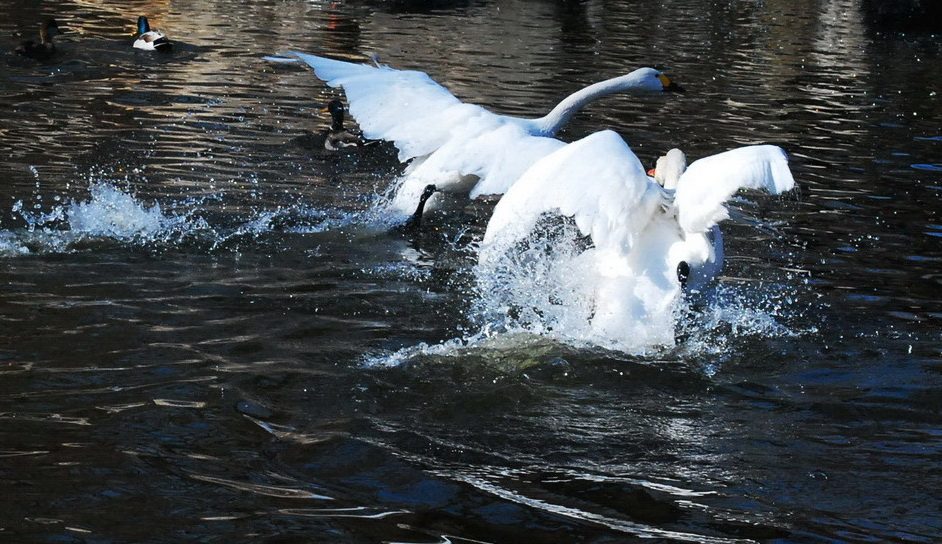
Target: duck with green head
x=150 y=39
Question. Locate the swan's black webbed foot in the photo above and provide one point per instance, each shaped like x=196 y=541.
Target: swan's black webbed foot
x=414 y=222
x=683 y=273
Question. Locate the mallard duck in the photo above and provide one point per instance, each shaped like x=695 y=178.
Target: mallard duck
x=44 y=48
x=150 y=39
x=337 y=137
x=651 y=244
x=459 y=147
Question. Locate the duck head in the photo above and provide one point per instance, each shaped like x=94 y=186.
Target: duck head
x=337 y=112
x=143 y=27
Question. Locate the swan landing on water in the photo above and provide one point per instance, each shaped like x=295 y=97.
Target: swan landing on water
x=460 y=148
x=649 y=243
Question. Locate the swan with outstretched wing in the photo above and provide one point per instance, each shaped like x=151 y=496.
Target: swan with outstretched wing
x=650 y=243
x=458 y=147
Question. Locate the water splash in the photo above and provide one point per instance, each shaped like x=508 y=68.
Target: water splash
x=705 y=333
x=112 y=215
x=540 y=286
x=108 y=215
x=542 y=293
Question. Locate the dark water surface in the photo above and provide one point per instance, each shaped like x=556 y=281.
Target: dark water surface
x=208 y=335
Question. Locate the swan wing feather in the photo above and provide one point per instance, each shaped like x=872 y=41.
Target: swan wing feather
x=709 y=182
x=598 y=181
x=405 y=107
x=504 y=160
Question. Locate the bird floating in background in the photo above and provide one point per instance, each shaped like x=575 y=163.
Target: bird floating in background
x=337 y=137
x=459 y=147
x=150 y=39
x=650 y=244
x=44 y=48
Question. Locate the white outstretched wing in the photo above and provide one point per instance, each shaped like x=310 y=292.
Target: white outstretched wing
x=425 y=121
x=709 y=182
x=598 y=181
x=497 y=153
x=405 y=107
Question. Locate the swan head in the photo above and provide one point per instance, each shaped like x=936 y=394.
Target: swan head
x=640 y=81
x=669 y=86
x=669 y=168
x=649 y=79
x=696 y=260
x=683 y=273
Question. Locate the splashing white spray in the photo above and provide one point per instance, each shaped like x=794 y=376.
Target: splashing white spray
x=112 y=213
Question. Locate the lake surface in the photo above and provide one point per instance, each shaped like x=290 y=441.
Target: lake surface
x=209 y=336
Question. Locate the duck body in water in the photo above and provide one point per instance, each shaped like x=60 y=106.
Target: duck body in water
x=150 y=39
x=44 y=48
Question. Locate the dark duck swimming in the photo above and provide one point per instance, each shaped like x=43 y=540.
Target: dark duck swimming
x=44 y=48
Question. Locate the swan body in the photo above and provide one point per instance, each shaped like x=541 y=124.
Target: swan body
x=650 y=244
x=150 y=39
x=459 y=147
x=44 y=48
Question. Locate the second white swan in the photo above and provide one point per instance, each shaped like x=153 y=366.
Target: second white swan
x=649 y=244
x=459 y=147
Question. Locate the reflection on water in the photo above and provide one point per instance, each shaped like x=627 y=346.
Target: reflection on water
x=209 y=335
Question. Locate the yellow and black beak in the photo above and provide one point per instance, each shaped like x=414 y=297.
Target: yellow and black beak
x=670 y=86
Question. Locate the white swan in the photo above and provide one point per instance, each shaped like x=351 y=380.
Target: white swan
x=649 y=244
x=459 y=147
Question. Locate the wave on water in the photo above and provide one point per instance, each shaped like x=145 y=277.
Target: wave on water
x=535 y=300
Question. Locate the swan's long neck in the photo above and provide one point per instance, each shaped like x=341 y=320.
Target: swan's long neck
x=415 y=220
x=549 y=124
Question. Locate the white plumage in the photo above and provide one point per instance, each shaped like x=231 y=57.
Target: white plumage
x=640 y=231
x=459 y=147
